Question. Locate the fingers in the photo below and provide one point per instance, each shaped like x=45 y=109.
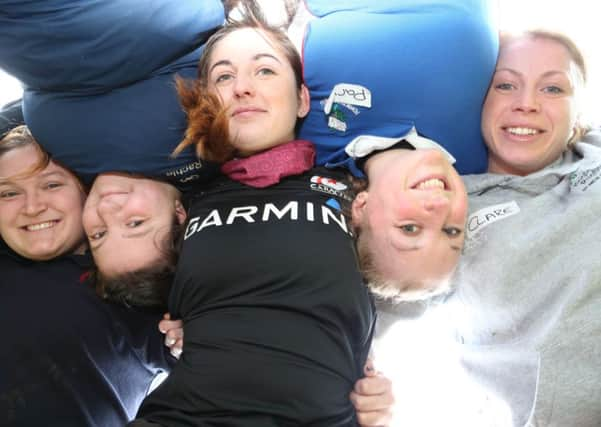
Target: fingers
x=374 y=418
x=372 y=394
x=369 y=369
x=373 y=399
x=177 y=348
x=174 y=334
x=374 y=385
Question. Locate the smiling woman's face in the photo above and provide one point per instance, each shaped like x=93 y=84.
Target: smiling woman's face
x=411 y=219
x=127 y=220
x=40 y=213
x=530 y=109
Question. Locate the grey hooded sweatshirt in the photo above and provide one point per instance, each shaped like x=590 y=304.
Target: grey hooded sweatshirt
x=527 y=306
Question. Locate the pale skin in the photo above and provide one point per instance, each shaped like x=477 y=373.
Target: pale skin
x=256 y=83
x=125 y=219
x=414 y=212
x=530 y=109
x=40 y=213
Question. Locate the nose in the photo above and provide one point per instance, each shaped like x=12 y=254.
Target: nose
x=526 y=102
x=437 y=203
x=34 y=204
x=243 y=86
x=111 y=204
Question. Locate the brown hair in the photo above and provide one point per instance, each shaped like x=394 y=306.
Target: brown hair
x=575 y=55
x=207 y=121
x=20 y=137
x=148 y=286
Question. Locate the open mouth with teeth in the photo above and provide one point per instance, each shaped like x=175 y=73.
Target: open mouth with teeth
x=40 y=226
x=522 y=131
x=431 y=184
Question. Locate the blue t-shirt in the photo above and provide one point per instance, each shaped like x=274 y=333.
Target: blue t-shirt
x=99 y=80
x=383 y=68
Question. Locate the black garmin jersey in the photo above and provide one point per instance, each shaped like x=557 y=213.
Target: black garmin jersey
x=277 y=321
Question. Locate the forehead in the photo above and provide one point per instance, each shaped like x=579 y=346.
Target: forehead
x=120 y=255
x=535 y=52
x=243 y=44
x=18 y=160
x=21 y=160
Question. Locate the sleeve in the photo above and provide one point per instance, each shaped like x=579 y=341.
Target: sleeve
x=386 y=68
x=11 y=116
x=99 y=79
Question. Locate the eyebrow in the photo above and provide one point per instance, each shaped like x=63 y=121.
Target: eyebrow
x=416 y=248
x=50 y=173
x=227 y=62
x=8 y=181
x=133 y=235
x=545 y=74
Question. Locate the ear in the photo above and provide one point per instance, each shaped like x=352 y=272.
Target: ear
x=304 y=104
x=180 y=212
x=358 y=208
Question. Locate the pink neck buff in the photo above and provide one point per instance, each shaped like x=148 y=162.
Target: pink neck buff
x=269 y=167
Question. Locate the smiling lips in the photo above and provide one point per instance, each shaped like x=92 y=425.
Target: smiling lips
x=431 y=184
x=40 y=226
x=522 y=131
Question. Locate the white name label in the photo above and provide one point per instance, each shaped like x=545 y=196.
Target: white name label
x=346 y=93
x=484 y=217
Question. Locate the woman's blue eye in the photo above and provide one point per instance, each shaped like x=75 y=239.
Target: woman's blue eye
x=504 y=86
x=553 y=89
x=410 y=228
x=223 y=78
x=266 y=71
x=452 y=231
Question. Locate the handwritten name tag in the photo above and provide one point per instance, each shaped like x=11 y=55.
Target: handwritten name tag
x=346 y=93
x=484 y=217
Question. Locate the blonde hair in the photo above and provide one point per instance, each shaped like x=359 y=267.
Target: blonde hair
x=20 y=137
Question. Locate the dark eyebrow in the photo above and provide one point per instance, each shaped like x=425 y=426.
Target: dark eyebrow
x=227 y=62
x=7 y=181
x=57 y=172
x=133 y=235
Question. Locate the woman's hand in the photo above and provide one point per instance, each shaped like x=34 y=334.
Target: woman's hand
x=372 y=398
x=174 y=334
